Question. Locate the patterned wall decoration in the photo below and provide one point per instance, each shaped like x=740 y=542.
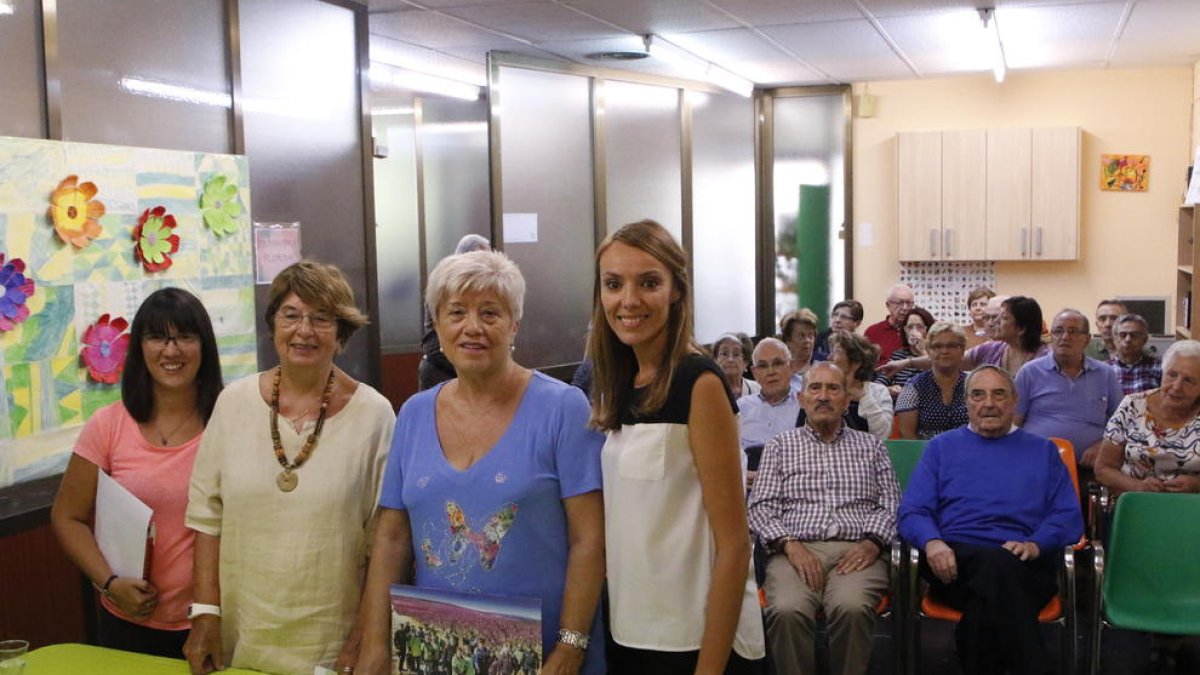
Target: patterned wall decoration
x=942 y=286
x=49 y=191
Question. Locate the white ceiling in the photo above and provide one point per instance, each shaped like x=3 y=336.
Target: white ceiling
x=790 y=42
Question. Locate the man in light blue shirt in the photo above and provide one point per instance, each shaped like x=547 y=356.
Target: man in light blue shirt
x=1066 y=394
x=774 y=409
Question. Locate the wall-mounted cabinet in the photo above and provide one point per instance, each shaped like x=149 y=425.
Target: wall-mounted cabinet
x=999 y=194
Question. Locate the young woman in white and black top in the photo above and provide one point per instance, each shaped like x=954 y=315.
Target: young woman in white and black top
x=681 y=595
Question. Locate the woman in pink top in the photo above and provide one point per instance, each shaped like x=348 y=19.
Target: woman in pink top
x=147 y=442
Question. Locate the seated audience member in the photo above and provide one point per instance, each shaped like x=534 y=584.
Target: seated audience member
x=810 y=477
x=847 y=315
x=1152 y=442
x=977 y=302
x=1066 y=394
x=916 y=326
x=731 y=351
x=889 y=333
x=870 y=406
x=1102 y=347
x=773 y=409
x=1136 y=370
x=991 y=507
x=935 y=400
x=798 y=330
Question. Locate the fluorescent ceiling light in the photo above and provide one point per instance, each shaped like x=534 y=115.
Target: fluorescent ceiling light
x=379 y=112
x=423 y=82
x=988 y=17
x=6 y=8
x=693 y=67
x=175 y=92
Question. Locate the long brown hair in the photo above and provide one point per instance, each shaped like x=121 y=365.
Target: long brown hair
x=615 y=365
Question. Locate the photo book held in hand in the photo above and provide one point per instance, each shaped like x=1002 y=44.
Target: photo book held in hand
x=451 y=632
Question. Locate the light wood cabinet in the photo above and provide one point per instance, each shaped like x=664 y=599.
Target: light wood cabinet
x=996 y=194
x=1187 y=288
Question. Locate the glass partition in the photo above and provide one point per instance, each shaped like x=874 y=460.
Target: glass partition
x=22 y=100
x=723 y=214
x=455 y=169
x=397 y=234
x=546 y=163
x=642 y=160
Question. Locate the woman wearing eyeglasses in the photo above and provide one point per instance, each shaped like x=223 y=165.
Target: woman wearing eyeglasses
x=146 y=442
x=284 y=489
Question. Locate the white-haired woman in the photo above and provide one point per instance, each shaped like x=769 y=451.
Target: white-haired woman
x=493 y=477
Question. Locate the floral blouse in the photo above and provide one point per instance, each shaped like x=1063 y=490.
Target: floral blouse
x=1151 y=450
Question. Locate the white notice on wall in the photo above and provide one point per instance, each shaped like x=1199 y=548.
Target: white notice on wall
x=865 y=235
x=1193 y=193
x=276 y=245
x=520 y=228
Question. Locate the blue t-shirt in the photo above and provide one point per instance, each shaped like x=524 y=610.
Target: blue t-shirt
x=499 y=527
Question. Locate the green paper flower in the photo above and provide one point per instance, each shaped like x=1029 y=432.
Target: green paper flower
x=156 y=239
x=219 y=205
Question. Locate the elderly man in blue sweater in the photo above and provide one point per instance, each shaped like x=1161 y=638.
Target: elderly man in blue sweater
x=989 y=504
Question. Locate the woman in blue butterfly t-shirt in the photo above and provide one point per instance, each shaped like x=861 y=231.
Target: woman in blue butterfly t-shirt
x=493 y=481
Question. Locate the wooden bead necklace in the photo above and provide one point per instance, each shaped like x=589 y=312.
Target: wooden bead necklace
x=287 y=480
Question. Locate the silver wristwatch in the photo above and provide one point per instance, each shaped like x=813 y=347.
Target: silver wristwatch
x=573 y=638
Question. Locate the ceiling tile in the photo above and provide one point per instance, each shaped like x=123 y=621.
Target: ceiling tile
x=430 y=29
x=536 y=21
x=1161 y=32
x=942 y=42
x=847 y=50
x=1062 y=36
x=389 y=5
x=775 y=12
x=743 y=52
x=656 y=16
x=396 y=53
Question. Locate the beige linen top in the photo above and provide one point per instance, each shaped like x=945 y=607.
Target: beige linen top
x=292 y=563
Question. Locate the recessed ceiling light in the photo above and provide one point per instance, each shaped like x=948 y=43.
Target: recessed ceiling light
x=616 y=56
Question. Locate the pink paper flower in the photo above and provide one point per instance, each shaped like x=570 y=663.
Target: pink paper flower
x=104 y=345
x=15 y=289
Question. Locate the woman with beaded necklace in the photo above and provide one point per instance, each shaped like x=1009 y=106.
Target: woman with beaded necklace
x=283 y=492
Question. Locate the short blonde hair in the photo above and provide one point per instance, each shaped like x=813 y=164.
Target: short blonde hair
x=940 y=327
x=476 y=271
x=322 y=287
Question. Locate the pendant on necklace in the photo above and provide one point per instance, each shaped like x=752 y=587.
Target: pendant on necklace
x=287 y=481
x=164 y=441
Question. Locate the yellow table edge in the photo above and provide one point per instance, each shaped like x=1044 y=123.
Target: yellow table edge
x=77 y=659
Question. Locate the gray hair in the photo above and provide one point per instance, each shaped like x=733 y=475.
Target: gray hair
x=1069 y=311
x=940 y=327
x=1134 y=318
x=474 y=272
x=472 y=242
x=1012 y=385
x=772 y=342
x=1186 y=348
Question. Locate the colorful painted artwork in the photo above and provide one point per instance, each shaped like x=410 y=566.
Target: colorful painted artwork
x=1125 y=173
x=59 y=362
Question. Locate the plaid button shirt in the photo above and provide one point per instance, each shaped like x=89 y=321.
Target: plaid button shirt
x=816 y=491
x=1141 y=376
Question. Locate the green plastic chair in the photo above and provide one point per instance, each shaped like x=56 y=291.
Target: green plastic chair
x=1150 y=579
x=904 y=454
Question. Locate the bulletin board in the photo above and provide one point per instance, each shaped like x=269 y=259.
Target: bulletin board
x=942 y=287
x=86 y=233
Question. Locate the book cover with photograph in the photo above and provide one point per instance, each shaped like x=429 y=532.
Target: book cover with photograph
x=438 y=631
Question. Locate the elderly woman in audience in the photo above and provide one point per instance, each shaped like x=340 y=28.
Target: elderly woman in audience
x=846 y=315
x=1152 y=441
x=870 y=401
x=732 y=351
x=798 y=330
x=915 y=328
x=1018 y=341
x=934 y=401
x=977 y=302
x=493 y=480
x=1136 y=370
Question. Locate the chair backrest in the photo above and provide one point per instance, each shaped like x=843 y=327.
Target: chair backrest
x=1066 y=452
x=1152 y=569
x=904 y=455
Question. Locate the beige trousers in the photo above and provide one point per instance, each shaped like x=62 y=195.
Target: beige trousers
x=847 y=601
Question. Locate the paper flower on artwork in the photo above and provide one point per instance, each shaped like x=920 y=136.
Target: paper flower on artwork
x=219 y=205
x=155 y=239
x=104 y=345
x=15 y=289
x=74 y=212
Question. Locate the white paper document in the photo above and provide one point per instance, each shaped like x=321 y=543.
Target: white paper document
x=122 y=527
x=1193 y=192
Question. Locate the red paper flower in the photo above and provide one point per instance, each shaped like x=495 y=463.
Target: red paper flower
x=104 y=345
x=15 y=289
x=155 y=239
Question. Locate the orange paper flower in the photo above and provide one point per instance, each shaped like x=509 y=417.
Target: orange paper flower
x=76 y=216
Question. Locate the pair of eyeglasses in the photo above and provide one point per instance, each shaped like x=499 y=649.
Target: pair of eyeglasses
x=728 y=354
x=775 y=364
x=161 y=340
x=844 y=317
x=321 y=321
x=980 y=395
x=902 y=303
x=942 y=346
x=1127 y=335
x=1060 y=331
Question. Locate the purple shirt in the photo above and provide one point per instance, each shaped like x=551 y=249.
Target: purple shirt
x=1054 y=405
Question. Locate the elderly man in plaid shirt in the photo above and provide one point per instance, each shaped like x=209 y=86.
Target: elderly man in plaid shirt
x=824 y=504
x=1136 y=370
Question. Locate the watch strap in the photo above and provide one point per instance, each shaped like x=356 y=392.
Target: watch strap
x=198 y=609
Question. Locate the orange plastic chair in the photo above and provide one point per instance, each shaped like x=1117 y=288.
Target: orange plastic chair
x=1061 y=609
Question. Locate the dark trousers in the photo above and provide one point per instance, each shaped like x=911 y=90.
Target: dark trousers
x=117 y=633
x=1000 y=598
x=629 y=661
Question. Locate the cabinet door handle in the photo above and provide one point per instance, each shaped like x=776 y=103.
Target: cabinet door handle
x=1039 y=242
x=933 y=238
x=947 y=240
x=1024 y=241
